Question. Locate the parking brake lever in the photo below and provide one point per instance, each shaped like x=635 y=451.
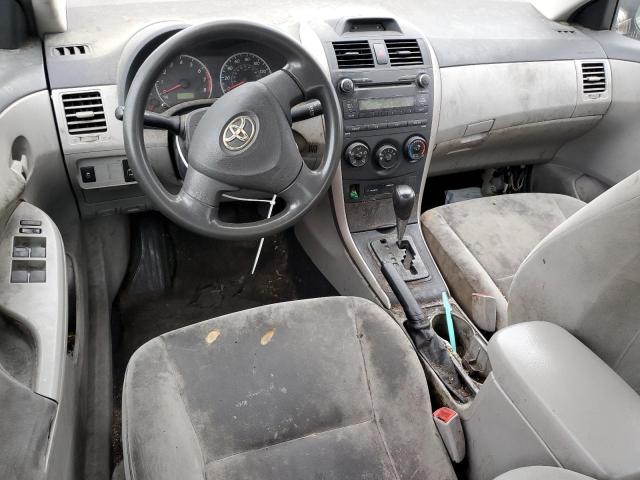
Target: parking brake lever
x=428 y=343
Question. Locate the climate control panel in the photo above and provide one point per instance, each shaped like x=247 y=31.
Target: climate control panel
x=386 y=155
x=387 y=111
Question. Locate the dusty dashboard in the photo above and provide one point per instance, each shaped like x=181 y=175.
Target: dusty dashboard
x=92 y=137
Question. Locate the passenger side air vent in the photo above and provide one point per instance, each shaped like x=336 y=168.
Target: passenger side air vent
x=594 y=77
x=67 y=50
x=84 y=113
x=353 y=54
x=404 y=52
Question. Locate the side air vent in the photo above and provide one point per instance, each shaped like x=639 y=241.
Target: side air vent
x=84 y=113
x=68 y=50
x=594 y=77
x=404 y=52
x=353 y=54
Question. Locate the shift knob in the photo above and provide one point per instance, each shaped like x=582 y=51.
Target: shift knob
x=403 y=199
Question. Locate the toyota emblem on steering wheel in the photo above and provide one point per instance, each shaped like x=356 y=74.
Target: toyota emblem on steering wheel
x=239 y=133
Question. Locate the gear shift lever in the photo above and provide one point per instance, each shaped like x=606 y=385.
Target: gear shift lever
x=403 y=199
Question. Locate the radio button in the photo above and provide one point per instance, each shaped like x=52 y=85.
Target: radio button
x=349 y=106
x=423 y=80
x=346 y=85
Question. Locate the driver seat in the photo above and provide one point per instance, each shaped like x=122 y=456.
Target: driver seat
x=325 y=388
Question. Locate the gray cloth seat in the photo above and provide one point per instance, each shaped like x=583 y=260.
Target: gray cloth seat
x=542 y=473
x=326 y=388
x=583 y=274
x=480 y=244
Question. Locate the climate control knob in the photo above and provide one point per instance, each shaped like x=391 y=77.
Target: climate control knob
x=346 y=85
x=415 y=148
x=357 y=154
x=387 y=156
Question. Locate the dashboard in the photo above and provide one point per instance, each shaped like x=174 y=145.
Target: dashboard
x=503 y=87
x=209 y=71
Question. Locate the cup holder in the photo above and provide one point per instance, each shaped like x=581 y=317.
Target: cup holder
x=17 y=351
x=469 y=346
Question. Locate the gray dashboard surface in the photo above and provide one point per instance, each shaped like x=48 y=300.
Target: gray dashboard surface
x=26 y=60
x=462 y=32
x=617 y=46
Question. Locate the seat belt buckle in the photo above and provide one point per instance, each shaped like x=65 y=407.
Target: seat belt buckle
x=450 y=428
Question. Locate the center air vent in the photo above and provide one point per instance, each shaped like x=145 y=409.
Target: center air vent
x=66 y=50
x=594 y=77
x=404 y=52
x=84 y=113
x=353 y=54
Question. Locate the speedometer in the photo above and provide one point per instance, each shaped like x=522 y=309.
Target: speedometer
x=183 y=79
x=242 y=68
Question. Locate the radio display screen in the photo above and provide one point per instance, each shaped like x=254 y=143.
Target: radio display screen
x=381 y=103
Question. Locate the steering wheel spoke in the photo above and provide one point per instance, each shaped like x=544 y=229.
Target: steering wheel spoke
x=202 y=188
x=285 y=88
x=303 y=189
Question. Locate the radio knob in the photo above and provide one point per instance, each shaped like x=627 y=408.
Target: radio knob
x=357 y=154
x=416 y=148
x=346 y=85
x=423 y=80
x=387 y=156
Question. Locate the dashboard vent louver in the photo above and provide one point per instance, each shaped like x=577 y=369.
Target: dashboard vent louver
x=594 y=77
x=67 y=50
x=404 y=52
x=84 y=113
x=354 y=54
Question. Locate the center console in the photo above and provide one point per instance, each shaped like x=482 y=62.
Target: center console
x=384 y=75
x=385 y=86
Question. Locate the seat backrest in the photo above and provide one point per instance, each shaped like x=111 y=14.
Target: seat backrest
x=585 y=277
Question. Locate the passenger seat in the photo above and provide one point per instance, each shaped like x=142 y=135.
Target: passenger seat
x=541 y=473
x=479 y=244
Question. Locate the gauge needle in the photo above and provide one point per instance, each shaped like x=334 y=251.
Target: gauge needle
x=237 y=84
x=175 y=87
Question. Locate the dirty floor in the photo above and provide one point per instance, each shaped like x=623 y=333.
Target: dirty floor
x=209 y=278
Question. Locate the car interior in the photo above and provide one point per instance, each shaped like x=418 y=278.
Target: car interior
x=319 y=239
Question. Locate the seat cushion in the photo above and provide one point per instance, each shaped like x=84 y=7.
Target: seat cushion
x=479 y=244
x=324 y=388
x=542 y=473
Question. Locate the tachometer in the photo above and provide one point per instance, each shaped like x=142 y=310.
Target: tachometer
x=242 y=68
x=185 y=78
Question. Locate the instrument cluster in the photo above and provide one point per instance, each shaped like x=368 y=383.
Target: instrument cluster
x=200 y=75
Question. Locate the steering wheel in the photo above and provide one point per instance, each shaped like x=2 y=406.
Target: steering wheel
x=243 y=140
